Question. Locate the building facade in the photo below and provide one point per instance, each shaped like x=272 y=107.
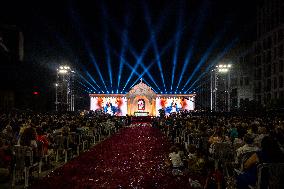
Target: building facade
x=241 y=86
x=269 y=52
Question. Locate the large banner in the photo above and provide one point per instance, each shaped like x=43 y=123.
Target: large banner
x=112 y=105
x=173 y=104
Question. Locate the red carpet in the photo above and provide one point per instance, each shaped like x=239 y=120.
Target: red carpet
x=132 y=158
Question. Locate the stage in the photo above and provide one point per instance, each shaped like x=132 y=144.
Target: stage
x=141 y=100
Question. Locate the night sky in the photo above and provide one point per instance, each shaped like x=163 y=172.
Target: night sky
x=98 y=38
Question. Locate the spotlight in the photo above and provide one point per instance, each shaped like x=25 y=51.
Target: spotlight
x=223 y=70
x=62 y=71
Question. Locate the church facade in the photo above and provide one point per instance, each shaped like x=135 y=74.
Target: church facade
x=141 y=100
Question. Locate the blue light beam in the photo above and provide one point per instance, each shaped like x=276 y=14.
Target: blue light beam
x=139 y=61
x=122 y=54
x=154 y=41
x=86 y=45
x=204 y=58
x=82 y=77
x=176 y=49
x=63 y=43
x=193 y=40
x=106 y=42
x=215 y=61
x=135 y=72
x=164 y=50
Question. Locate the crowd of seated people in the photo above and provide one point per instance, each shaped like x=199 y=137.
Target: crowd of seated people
x=39 y=132
x=225 y=150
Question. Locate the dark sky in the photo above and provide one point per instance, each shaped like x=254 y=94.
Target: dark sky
x=80 y=33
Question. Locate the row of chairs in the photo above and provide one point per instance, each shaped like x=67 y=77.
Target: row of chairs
x=269 y=175
x=23 y=162
x=27 y=160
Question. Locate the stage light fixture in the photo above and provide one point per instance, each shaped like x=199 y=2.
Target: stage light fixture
x=62 y=71
x=223 y=70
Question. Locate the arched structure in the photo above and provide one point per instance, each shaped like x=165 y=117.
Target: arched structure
x=139 y=94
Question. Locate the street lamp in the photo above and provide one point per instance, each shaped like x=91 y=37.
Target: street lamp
x=221 y=69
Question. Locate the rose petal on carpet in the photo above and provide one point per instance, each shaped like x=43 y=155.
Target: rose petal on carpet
x=132 y=158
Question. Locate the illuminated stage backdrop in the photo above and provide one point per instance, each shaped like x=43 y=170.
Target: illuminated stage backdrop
x=114 y=105
x=174 y=103
x=141 y=100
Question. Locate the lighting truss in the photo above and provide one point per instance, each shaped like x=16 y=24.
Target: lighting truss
x=65 y=96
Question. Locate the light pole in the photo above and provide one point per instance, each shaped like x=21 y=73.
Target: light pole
x=211 y=89
x=221 y=69
x=56 y=97
x=65 y=89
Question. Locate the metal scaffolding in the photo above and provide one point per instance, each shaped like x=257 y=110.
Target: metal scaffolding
x=220 y=88
x=64 y=99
